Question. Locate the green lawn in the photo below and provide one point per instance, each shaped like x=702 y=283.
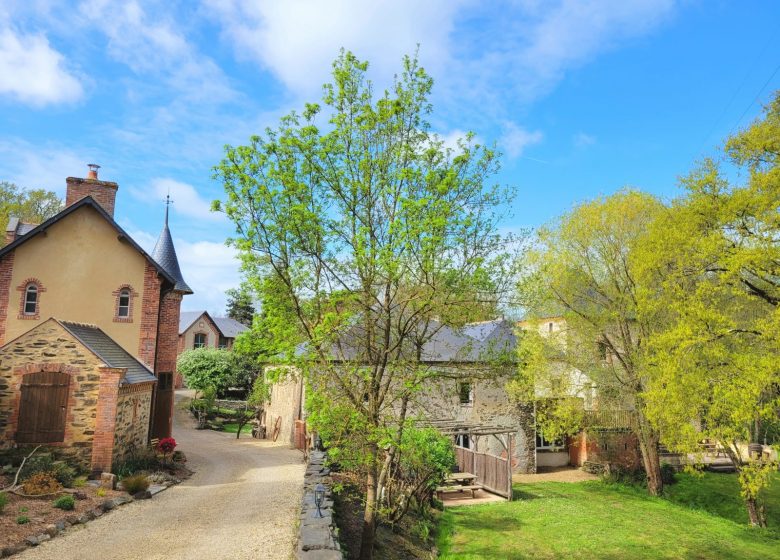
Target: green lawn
x=596 y=520
x=232 y=428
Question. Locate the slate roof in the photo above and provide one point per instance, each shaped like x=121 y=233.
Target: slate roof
x=86 y=201
x=473 y=343
x=165 y=254
x=229 y=328
x=110 y=352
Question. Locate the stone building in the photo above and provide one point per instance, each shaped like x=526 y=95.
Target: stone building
x=89 y=322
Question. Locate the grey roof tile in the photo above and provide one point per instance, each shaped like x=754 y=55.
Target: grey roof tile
x=165 y=254
x=230 y=328
x=110 y=352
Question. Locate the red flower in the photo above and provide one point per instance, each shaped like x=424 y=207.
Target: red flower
x=166 y=445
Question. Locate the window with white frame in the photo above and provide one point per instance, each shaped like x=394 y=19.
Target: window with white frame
x=545 y=444
x=31 y=299
x=123 y=309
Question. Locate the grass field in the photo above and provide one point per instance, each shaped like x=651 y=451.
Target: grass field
x=232 y=428
x=596 y=520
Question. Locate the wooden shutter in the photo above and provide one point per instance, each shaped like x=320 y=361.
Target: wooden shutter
x=42 y=407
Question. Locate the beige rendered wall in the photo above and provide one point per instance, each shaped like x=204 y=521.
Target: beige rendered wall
x=201 y=325
x=80 y=262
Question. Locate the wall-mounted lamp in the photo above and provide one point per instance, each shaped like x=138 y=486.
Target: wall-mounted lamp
x=319 y=495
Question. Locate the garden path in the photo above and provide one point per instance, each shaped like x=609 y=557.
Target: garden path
x=242 y=502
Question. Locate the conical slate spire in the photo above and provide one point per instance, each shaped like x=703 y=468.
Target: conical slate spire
x=165 y=255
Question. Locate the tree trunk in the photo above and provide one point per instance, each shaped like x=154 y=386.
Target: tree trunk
x=648 y=445
x=755 y=513
x=369 y=514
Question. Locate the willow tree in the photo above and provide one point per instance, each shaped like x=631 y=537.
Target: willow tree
x=580 y=270
x=376 y=235
x=711 y=273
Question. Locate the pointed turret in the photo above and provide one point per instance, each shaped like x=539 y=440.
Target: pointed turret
x=165 y=255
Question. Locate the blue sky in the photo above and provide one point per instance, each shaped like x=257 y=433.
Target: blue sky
x=583 y=97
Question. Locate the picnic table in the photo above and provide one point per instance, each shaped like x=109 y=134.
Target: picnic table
x=459 y=482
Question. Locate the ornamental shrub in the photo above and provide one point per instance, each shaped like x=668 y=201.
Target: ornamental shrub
x=136 y=483
x=41 y=484
x=66 y=503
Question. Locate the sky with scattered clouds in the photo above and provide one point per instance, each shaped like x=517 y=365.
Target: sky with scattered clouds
x=583 y=97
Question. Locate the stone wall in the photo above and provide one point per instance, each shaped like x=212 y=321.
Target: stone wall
x=132 y=420
x=317 y=534
x=490 y=405
x=285 y=403
x=49 y=347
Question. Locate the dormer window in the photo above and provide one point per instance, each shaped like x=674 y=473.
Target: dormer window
x=30 y=298
x=123 y=303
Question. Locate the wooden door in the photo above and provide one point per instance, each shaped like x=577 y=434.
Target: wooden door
x=42 y=407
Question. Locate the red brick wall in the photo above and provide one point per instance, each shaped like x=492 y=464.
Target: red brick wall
x=613 y=447
x=104 y=192
x=6 y=269
x=150 y=305
x=167 y=350
x=103 y=442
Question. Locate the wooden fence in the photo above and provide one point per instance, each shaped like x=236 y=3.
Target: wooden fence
x=493 y=473
x=609 y=418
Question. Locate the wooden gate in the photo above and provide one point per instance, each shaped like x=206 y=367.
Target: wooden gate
x=493 y=473
x=43 y=407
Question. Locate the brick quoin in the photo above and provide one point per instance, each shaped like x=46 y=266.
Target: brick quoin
x=105 y=421
x=150 y=305
x=103 y=192
x=6 y=269
x=167 y=347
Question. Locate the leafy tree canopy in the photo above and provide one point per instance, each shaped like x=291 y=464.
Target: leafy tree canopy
x=31 y=206
x=359 y=224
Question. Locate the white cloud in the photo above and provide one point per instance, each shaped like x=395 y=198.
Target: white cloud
x=32 y=72
x=488 y=51
x=186 y=199
x=516 y=139
x=583 y=140
x=297 y=40
x=40 y=167
x=209 y=268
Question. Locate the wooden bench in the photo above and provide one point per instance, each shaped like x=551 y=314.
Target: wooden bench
x=458 y=488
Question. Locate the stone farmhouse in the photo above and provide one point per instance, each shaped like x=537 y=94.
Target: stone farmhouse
x=88 y=331
x=477 y=361
x=198 y=329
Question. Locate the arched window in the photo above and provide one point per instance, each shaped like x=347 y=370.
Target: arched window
x=123 y=306
x=124 y=303
x=31 y=299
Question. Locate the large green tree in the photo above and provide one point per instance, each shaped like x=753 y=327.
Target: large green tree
x=374 y=235
x=240 y=304
x=32 y=206
x=710 y=271
x=580 y=269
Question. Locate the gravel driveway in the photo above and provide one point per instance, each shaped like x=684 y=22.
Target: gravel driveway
x=242 y=502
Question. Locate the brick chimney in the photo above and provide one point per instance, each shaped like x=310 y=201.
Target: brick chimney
x=103 y=192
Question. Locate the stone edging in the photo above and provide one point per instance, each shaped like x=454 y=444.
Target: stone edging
x=317 y=536
x=53 y=529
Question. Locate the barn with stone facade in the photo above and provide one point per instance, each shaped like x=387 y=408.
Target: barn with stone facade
x=88 y=331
